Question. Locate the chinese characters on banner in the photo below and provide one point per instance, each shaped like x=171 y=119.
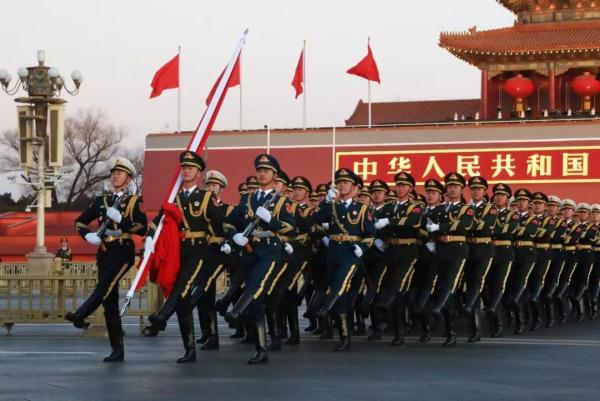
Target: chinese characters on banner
x=510 y=165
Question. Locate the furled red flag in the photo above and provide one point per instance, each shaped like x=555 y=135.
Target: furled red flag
x=167 y=77
x=366 y=68
x=163 y=264
x=234 y=80
x=298 y=80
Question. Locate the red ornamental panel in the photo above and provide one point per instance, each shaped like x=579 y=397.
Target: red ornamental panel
x=512 y=165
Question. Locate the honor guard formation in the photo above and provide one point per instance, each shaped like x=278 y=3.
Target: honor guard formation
x=351 y=253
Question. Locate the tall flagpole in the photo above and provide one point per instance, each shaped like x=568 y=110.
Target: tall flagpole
x=333 y=158
x=369 y=86
x=269 y=138
x=241 y=99
x=304 y=83
x=179 y=90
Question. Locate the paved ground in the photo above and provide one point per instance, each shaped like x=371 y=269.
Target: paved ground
x=52 y=362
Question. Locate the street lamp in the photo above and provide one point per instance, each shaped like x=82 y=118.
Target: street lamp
x=43 y=85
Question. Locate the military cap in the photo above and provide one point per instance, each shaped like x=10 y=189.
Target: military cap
x=345 y=174
x=523 y=194
x=283 y=177
x=359 y=182
x=216 y=177
x=242 y=189
x=314 y=196
x=501 y=188
x=434 y=185
x=365 y=191
x=420 y=199
x=123 y=164
x=404 y=178
x=539 y=197
x=267 y=161
x=568 y=204
x=190 y=158
x=512 y=200
x=583 y=207
x=301 y=182
x=478 y=182
x=553 y=200
x=379 y=185
x=413 y=193
x=596 y=207
x=454 y=178
x=322 y=189
x=251 y=182
x=391 y=197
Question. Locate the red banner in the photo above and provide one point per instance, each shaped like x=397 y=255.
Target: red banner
x=517 y=165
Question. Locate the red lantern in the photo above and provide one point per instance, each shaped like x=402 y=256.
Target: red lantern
x=586 y=86
x=519 y=88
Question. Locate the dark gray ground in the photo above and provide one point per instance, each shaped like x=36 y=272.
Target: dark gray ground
x=53 y=362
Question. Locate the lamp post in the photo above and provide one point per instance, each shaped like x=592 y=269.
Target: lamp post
x=43 y=85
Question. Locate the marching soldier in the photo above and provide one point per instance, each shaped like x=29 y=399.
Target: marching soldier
x=535 y=283
x=64 y=252
x=504 y=256
x=589 y=236
x=481 y=252
x=450 y=235
x=525 y=257
x=571 y=257
x=351 y=234
x=402 y=221
x=199 y=263
x=121 y=215
x=595 y=276
x=261 y=247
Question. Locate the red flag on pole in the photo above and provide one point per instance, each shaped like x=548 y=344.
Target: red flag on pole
x=167 y=77
x=366 y=68
x=298 y=80
x=234 y=80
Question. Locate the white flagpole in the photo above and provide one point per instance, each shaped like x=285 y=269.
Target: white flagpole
x=199 y=135
x=304 y=84
x=269 y=138
x=179 y=91
x=333 y=159
x=369 y=87
x=241 y=99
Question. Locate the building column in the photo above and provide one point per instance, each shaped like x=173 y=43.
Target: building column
x=484 y=95
x=551 y=88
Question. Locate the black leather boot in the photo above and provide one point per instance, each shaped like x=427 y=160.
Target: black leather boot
x=536 y=314
x=550 y=312
x=377 y=333
x=77 y=320
x=316 y=301
x=232 y=317
x=579 y=309
x=186 y=328
x=312 y=325
x=274 y=326
x=327 y=305
x=344 y=332
x=115 y=336
x=204 y=322
x=222 y=304
x=520 y=318
x=212 y=339
x=475 y=327
x=327 y=333
x=250 y=333
x=238 y=333
x=496 y=324
x=449 y=322
x=160 y=318
x=398 y=325
x=425 y=328
x=292 y=316
x=260 y=343
x=593 y=310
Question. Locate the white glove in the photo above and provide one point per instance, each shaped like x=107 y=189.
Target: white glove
x=114 y=215
x=149 y=244
x=263 y=214
x=331 y=194
x=326 y=241
x=226 y=248
x=325 y=226
x=432 y=227
x=288 y=248
x=357 y=251
x=381 y=223
x=240 y=239
x=379 y=244
x=430 y=246
x=93 y=239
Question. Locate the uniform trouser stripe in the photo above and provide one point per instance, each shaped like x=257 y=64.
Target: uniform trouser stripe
x=115 y=281
x=213 y=276
x=276 y=280
x=487 y=270
x=458 y=275
x=192 y=278
x=262 y=283
x=297 y=276
x=346 y=283
x=381 y=276
x=506 y=276
x=407 y=274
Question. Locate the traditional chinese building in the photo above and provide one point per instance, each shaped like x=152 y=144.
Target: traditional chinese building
x=551 y=44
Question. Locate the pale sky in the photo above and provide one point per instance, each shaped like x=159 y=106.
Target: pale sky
x=118 y=45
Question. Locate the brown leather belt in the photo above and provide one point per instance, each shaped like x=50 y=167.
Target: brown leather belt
x=109 y=238
x=556 y=246
x=542 y=246
x=215 y=240
x=502 y=243
x=597 y=249
x=299 y=239
x=401 y=241
x=479 y=240
x=523 y=244
x=192 y=234
x=452 y=238
x=570 y=248
x=344 y=238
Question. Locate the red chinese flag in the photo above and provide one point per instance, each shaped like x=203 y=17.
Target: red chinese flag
x=167 y=77
x=366 y=68
x=234 y=80
x=298 y=80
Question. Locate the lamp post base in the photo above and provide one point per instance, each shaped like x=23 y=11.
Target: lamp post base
x=40 y=261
